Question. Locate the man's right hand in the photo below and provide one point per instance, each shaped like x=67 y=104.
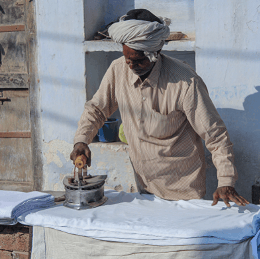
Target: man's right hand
x=81 y=149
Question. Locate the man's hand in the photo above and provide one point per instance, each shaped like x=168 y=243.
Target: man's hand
x=228 y=193
x=81 y=149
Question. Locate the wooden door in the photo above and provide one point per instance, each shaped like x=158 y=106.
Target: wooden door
x=16 y=166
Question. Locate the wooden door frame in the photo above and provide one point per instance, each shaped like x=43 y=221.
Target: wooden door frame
x=34 y=87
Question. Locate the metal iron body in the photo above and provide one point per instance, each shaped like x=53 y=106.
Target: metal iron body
x=84 y=191
x=87 y=195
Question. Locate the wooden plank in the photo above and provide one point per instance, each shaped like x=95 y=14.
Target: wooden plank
x=14 y=81
x=15 y=134
x=37 y=158
x=15 y=114
x=16 y=186
x=10 y=28
x=12 y=12
x=13 y=52
x=16 y=160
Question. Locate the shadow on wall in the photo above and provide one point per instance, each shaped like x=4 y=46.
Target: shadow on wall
x=59 y=118
x=117 y=8
x=244 y=130
x=99 y=13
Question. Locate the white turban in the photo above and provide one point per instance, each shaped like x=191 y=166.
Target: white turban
x=141 y=35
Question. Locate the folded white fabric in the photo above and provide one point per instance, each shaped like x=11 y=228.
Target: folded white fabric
x=147 y=219
x=13 y=204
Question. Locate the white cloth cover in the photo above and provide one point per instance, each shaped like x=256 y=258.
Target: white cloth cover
x=13 y=204
x=50 y=243
x=147 y=219
x=140 y=35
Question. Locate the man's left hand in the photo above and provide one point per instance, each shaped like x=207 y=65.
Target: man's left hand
x=228 y=193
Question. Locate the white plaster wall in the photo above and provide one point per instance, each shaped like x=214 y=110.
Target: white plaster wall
x=61 y=67
x=228 y=59
x=113 y=160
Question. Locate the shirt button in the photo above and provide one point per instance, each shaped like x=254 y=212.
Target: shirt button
x=144 y=98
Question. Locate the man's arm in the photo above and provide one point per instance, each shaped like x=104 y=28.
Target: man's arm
x=207 y=123
x=97 y=110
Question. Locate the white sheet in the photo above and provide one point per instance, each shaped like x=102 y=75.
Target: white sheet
x=146 y=219
x=13 y=204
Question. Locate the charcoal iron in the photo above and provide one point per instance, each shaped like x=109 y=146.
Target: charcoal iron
x=83 y=191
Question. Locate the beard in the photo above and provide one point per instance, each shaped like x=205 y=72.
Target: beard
x=141 y=72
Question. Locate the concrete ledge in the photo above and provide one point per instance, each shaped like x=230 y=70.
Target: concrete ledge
x=107 y=45
x=114 y=146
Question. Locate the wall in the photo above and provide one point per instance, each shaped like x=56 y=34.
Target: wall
x=113 y=160
x=15 y=242
x=228 y=59
x=60 y=33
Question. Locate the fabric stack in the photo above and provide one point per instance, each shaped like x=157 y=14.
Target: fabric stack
x=13 y=204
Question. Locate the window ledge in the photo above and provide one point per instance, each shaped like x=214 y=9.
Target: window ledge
x=108 y=45
x=113 y=146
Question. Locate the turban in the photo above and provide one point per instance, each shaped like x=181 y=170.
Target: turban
x=141 y=35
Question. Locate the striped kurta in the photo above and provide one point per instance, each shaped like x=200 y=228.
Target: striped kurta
x=164 y=117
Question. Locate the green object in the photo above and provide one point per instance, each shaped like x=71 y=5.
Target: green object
x=122 y=134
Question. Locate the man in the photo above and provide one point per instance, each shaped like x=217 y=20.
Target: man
x=166 y=111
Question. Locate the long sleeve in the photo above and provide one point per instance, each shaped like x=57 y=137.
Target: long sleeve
x=207 y=123
x=97 y=110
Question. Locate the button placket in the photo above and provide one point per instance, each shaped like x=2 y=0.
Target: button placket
x=141 y=119
x=144 y=96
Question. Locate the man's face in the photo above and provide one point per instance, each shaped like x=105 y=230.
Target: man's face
x=137 y=61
